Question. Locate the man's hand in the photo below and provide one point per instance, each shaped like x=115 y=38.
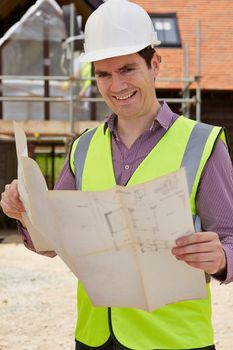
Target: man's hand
x=202 y=250
x=11 y=203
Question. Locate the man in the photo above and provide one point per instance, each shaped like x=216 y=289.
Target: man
x=140 y=141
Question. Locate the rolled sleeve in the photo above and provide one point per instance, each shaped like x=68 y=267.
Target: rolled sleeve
x=215 y=201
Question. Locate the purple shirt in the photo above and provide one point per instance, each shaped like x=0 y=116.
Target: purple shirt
x=214 y=199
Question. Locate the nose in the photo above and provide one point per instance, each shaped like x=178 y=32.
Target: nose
x=118 y=83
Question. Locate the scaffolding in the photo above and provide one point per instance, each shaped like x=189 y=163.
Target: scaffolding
x=188 y=84
x=190 y=92
x=185 y=100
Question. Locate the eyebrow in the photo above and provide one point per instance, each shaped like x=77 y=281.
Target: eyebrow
x=126 y=66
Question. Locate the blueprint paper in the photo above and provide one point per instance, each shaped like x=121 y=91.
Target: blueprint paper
x=118 y=242
x=39 y=241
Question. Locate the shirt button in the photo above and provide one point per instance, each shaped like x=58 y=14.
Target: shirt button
x=126 y=167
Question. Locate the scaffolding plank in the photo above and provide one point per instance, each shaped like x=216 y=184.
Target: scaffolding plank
x=47 y=127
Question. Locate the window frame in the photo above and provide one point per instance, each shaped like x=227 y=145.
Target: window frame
x=172 y=15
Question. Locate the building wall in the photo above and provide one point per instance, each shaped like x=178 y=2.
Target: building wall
x=216 y=26
x=216 y=108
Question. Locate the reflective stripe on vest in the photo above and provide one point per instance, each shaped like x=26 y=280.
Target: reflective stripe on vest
x=180 y=325
x=80 y=156
x=194 y=150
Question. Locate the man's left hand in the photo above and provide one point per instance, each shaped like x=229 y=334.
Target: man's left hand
x=202 y=250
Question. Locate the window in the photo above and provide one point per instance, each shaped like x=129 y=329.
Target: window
x=167 y=29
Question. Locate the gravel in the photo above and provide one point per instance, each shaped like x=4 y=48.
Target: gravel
x=38 y=303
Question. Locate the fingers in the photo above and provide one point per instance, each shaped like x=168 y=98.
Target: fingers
x=197 y=237
x=197 y=257
x=10 y=201
x=202 y=250
x=197 y=243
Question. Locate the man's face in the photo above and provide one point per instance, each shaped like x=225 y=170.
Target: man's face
x=127 y=85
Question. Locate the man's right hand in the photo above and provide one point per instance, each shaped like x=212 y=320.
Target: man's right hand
x=11 y=203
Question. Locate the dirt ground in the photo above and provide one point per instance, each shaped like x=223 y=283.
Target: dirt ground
x=38 y=306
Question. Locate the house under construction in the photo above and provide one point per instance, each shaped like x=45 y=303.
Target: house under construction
x=55 y=99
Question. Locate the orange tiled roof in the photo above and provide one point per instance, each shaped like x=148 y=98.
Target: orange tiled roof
x=216 y=21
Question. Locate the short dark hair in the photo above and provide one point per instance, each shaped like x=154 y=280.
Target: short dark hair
x=147 y=54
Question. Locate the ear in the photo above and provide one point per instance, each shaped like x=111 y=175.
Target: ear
x=155 y=64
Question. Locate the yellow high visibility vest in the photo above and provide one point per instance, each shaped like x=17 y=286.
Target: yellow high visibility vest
x=182 y=325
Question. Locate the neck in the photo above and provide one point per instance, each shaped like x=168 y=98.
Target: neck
x=129 y=129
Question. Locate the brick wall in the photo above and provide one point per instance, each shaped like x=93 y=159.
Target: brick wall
x=216 y=21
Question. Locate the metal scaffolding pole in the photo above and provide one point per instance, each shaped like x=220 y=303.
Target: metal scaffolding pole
x=46 y=66
x=186 y=100
x=1 y=105
x=185 y=91
x=71 y=104
x=198 y=72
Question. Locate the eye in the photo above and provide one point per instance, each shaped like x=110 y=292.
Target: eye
x=127 y=70
x=102 y=75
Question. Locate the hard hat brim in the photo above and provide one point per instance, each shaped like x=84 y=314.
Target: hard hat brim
x=114 y=52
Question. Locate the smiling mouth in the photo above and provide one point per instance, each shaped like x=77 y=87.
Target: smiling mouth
x=125 y=97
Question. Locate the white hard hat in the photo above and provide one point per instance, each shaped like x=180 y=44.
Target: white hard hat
x=117 y=28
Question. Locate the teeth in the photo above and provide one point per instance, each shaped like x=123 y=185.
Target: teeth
x=124 y=97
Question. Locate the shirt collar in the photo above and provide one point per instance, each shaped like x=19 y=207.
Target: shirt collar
x=164 y=118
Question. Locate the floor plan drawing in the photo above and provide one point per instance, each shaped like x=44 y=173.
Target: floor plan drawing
x=115 y=240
